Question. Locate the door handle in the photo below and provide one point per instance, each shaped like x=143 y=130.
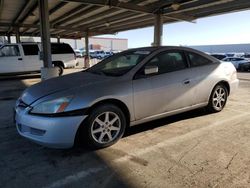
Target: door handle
x=185 y=82
x=20 y=59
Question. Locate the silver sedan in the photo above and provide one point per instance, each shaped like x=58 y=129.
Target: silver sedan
x=126 y=89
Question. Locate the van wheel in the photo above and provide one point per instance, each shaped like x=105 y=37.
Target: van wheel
x=218 y=98
x=104 y=126
x=60 y=69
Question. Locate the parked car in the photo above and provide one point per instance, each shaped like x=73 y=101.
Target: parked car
x=98 y=54
x=78 y=53
x=219 y=56
x=24 y=58
x=244 y=66
x=126 y=89
x=108 y=54
x=246 y=56
x=235 y=61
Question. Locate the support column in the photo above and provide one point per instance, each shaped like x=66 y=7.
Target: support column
x=8 y=38
x=18 y=40
x=87 y=50
x=158 y=27
x=58 y=39
x=47 y=71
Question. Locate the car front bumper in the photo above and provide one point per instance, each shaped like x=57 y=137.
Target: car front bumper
x=53 y=132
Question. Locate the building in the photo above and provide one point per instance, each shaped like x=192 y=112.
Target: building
x=224 y=48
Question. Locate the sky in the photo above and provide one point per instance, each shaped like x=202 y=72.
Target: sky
x=231 y=28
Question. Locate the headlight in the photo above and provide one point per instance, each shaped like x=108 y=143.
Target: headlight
x=51 y=106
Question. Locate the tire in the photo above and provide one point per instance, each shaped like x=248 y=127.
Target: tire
x=60 y=69
x=105 y=126
x=218 y=98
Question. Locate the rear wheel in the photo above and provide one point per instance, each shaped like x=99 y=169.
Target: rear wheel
x=218 y=98
x=105 y=126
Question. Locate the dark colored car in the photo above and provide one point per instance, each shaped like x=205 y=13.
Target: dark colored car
x=244 y=66
x=219 y=56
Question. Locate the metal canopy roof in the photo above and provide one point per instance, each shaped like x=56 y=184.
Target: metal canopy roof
x=73 y=18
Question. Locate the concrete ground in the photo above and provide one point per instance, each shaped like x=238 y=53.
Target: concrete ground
x=194 y=149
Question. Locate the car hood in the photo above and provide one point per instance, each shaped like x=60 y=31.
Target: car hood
x=54 y=85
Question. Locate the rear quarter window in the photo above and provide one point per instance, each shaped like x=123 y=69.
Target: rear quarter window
x=197 y=60
x=61 y=49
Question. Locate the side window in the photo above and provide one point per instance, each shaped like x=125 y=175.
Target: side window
x=10 y=50
x=168 y=62
x=30 y=49
x=61 y=49
x=197 y=60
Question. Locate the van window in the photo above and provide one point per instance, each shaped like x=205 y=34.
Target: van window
x=30 y=49
x=9 y=50
x=57 y=48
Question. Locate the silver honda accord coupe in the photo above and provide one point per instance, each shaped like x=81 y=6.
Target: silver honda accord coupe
x=126 y=89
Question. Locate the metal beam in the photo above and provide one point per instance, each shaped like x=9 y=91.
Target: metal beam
x=87 y=49
x=70 y=13
x=45 y=33
x=58 y=39
x=128 y=27
x=28 y=12
x=110 y=13
x=38 y=26
x=100 y=16
x=22 y=11
x=158 y=28
x=84 y=13
x=137 y=19
x=115 y=3
x=101 y=22
x=227 y=8
x=51 y=11
x=150 y=9
x=18 y=40
x=195 y=5
x=111 y=22
x=66 y=15
x=1 y=7
x=9 y=38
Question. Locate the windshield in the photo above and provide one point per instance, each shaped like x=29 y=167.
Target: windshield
x=119 y=64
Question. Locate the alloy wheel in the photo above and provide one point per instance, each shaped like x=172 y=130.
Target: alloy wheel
x=106 y=127
x=219 y=98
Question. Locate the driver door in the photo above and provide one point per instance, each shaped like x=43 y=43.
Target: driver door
x=168 y=90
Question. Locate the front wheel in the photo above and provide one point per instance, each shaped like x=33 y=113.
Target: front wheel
x=60 y=69
x=105 y=126
x=218 y=98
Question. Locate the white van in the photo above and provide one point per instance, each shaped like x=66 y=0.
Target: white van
x=23 y=57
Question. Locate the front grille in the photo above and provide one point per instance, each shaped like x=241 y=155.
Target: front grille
x=26 y=129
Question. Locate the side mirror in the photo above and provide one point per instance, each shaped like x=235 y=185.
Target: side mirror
x=151 y=70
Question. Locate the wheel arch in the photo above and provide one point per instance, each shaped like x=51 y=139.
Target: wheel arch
x=60 y=63
x=113 y=101
x=116 y=102
x=226 y=84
